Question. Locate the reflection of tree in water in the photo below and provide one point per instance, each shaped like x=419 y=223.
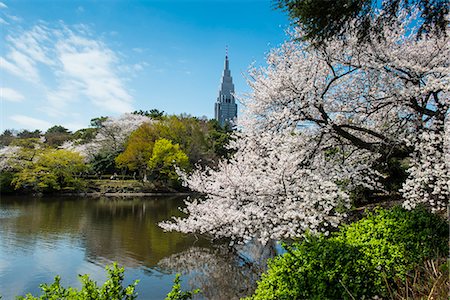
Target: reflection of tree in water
x=126 y=230
x=107 y=229
x=221 y=272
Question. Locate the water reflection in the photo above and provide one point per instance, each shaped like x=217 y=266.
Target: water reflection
x=219 y=273
x=40 y=238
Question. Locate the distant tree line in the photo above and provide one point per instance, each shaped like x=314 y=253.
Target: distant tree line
x=143 y=145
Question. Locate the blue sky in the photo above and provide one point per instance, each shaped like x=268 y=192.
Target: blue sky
x=66 y=62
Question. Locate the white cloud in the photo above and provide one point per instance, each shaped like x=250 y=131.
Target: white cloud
x=134 y=69
x=3 y=5
x=30 y=123
x=11 y=95
x=10 y=67
x=138 y=50
x=20 y=65
x=77 y=68
x=13 y=18
x=91 y=64
x=26 y=51
x=3 y=22
x=33 y=44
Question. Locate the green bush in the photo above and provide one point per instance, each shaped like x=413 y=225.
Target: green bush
x=396 y=240
x=317 y=268
x=112 y=289
x=359 y=261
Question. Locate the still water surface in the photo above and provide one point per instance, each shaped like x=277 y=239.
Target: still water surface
x=44 y=237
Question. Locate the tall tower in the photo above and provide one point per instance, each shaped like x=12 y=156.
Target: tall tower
x=225 y=106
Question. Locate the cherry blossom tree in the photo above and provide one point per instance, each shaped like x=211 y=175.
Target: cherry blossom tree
x=112 y=135
x=7 y=154
x=319 y=122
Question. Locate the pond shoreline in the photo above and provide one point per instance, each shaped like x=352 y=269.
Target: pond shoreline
x=112 y=195
x=124 y=194
x=112 y=188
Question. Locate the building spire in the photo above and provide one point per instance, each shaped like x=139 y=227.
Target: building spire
x=227 y=64
x=225 y=106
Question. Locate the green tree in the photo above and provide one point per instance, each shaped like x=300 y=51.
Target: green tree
x=204 y=142
x=165 y=157
x=26 y=134
x=50 y=171
x=325 y=19
x=104 y=162
x=6 y=137
x=84 y=135
x=152 y=113
x=138 y=149
x=98 y=122
x=190 y=133
x=219 y=137
x=56 y=135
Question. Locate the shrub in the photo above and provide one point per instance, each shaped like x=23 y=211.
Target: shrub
x=317 y=268
x=396 y=240
x=359 y=261
x=111 y=289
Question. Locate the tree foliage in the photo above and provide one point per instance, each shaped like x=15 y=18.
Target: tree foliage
x=57 y=135
x=6 y=137
x=27 y=134
x=113 y=145
x=84 y=135
x=323 y=20
x=203 y=142
x=98 y=122
x=51 y=170
x=166 y=156
x=138 y=149
x=155 y=114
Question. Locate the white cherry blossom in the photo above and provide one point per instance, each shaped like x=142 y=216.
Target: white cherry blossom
x=318 y=123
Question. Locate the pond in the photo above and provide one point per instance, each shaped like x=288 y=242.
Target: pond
x=44 y=237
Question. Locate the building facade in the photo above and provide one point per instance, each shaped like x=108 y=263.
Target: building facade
x=225 y=106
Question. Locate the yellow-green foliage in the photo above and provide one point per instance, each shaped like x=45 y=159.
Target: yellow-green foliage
x=139 y=148
x=165 y=157
x=111 y=289
x=358 y=262
x=202 y=141
x=51 y=170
